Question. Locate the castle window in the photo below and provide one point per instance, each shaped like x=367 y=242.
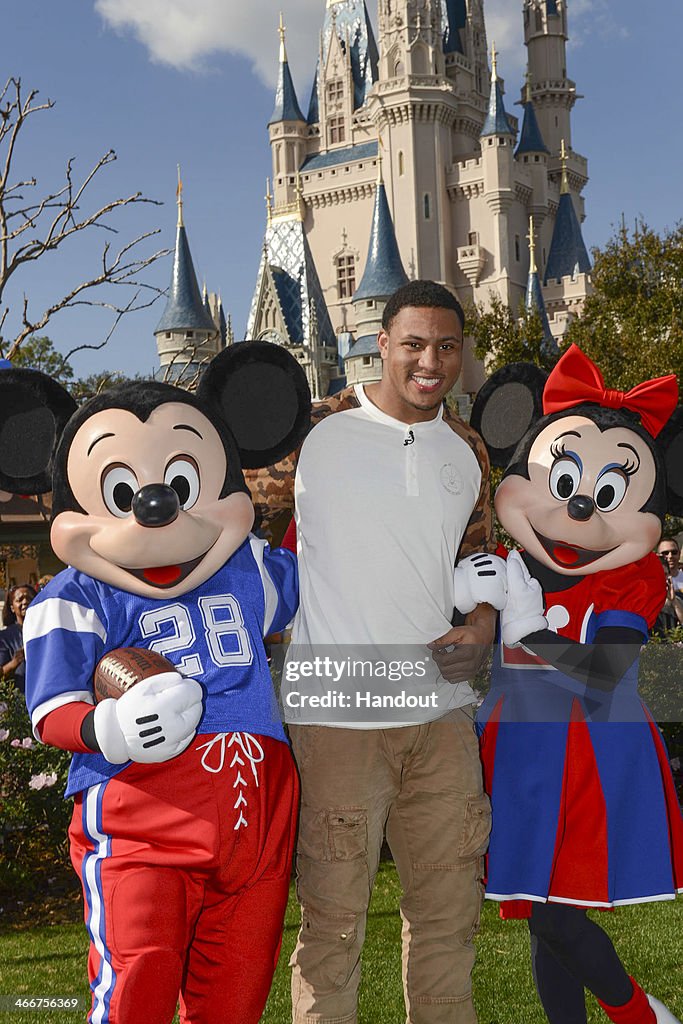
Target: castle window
x=367 y=361
x=335 y=91
x=401 y=163
x=189 y=334
x=518 y=252
x=346 y=276
x=473 y=238
x=427 y=206
x=337 y=133
x=168 y=334
x=399 y=69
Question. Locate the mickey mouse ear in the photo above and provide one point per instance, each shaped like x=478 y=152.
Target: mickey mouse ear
x=507 y=405
x=671 y=440
x=260 y=391
x=34 y=409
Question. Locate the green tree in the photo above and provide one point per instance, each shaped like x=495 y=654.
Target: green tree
x=500 y=337
x=38 y=353
x=632 y=324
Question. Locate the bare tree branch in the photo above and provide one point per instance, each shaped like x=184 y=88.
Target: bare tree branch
x=40 y=225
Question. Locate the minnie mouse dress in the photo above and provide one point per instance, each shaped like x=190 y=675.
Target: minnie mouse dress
x=585 y=811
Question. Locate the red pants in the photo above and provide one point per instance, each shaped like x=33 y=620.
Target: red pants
x=185 y=868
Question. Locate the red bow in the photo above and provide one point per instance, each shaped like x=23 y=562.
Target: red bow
x=577 y=379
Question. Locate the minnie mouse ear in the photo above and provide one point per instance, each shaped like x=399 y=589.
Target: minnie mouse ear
x=34 y=409
x=671 y=440
x=261 y=393
x=508 y=404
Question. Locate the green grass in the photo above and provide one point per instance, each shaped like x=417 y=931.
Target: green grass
x=51 y=960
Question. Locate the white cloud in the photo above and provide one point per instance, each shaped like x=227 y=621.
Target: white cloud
x=186 y=34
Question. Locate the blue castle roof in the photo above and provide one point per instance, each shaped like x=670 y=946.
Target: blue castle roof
x=454 y=14
x=496 y=122
x=365 y=346
x=384 y=271
x=185 y=309
x=286 y=104
x=551 y=7
x=535 y=301
x=530 y=140
x=568 y=254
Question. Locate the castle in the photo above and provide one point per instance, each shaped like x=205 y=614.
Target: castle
x=409 y=163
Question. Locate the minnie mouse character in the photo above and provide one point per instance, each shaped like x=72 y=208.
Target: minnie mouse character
x=185 y=789
x=585 y=812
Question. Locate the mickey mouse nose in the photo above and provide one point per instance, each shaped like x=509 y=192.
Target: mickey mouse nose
x=155 y=505
x=581 y=507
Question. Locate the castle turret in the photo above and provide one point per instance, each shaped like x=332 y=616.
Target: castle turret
x=497 y=141
x=545 y=35
x=533 y=153
x=383 y=274
x=186 y=335
x=288 y=131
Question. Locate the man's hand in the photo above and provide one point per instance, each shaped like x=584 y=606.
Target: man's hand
x=460 y=653
x=152 y=722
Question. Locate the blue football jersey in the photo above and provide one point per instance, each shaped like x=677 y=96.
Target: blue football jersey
x=213 y=634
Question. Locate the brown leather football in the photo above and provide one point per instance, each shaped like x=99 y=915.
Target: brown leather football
x=118 y=670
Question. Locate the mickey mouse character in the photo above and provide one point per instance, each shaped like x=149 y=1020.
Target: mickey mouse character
x=585 y=813
x=185 y=789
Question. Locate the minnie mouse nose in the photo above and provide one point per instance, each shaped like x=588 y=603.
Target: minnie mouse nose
x=155 y=505
x=581 y=507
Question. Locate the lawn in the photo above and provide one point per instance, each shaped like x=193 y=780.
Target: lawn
x=49 y=959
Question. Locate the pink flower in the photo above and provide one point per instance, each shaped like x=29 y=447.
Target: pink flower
x=43 y=781
x=15 y=743
x=27 y=743
x=4 y=734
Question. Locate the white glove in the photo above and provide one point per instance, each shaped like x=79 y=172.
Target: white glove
x=480 y=579
x=152 y=722
x=523 y=613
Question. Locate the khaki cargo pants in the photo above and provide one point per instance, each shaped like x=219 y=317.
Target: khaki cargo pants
x=424 y=785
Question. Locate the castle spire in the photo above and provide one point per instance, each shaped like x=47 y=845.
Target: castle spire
x=530 y=139
x=568 y=255
x=286 y=103
x=496 y=122
x=534 y=295
x=185 y=309
x=384 y=271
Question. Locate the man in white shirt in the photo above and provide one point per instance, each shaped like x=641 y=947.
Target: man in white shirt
x=390 y=490
x=670 y=553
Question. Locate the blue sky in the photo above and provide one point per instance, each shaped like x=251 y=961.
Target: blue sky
x=191 y=82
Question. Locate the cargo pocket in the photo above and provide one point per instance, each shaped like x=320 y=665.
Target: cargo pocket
x=347 y=834
x=476 y=827
x=327 y=950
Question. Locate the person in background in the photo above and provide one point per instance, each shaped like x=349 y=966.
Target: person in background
x=43 y=581
x=671 y=614
x=670 y=553
x=11 y=641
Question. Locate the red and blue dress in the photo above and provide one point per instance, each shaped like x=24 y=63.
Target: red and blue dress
x=585 y=810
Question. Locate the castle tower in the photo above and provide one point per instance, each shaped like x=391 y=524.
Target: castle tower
x=287 y=130
x=383 y=274
x=497 y=140
x=532 y=152
x=187 y=336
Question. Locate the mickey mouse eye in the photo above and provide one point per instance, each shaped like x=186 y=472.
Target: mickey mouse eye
x=564 y=479
x=183 y=476
x=610 y=490
x=118 y=485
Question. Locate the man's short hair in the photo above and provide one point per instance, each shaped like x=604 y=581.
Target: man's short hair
x=421 y=293
x=669 y=540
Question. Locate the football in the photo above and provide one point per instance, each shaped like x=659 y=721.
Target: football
x=118 y=670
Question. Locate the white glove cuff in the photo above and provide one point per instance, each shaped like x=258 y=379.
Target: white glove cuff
x=108 y=732
x=515 y=631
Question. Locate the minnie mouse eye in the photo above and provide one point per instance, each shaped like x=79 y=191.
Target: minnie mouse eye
x=564 y=479
x=183 y=476
x=610 y=490
x=118 y=485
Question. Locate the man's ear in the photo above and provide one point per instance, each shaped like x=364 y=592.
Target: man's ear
x=261 y=394
x=671 y=443
x=508 y=404
x=34 y=409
